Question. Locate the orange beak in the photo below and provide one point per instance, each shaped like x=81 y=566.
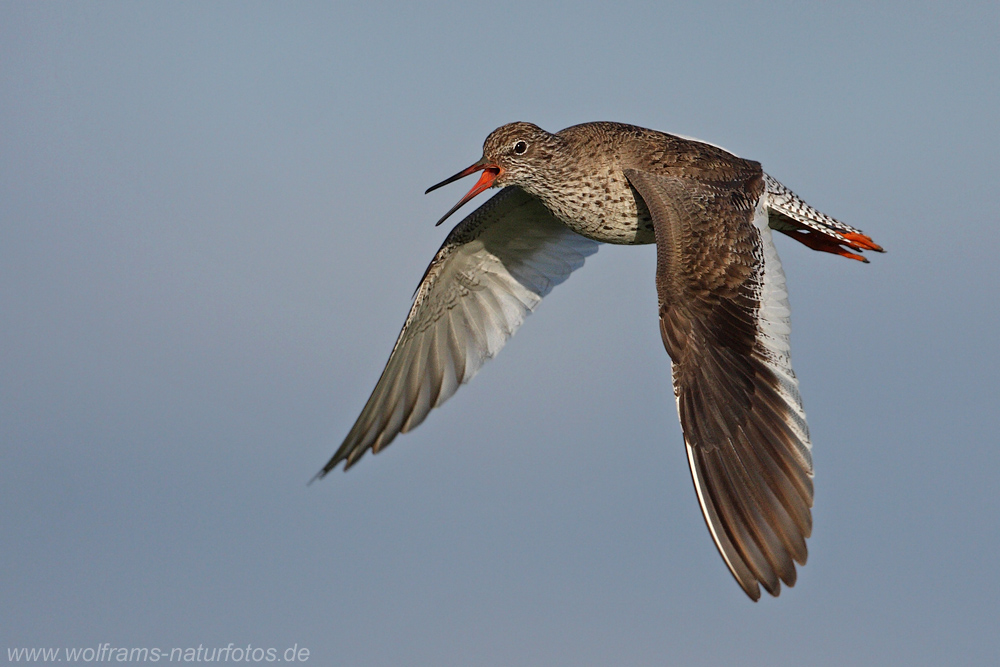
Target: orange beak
x=490 y=174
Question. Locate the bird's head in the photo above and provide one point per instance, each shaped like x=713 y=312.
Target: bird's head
x=513 y=154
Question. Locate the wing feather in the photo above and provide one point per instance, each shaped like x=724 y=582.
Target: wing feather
x=724 y=318
x=491 y=272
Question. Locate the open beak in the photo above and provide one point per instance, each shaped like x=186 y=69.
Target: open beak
x=490 y=174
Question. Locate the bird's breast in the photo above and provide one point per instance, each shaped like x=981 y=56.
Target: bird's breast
x=603 y=207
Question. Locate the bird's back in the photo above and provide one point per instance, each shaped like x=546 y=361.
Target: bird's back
x=591 y=194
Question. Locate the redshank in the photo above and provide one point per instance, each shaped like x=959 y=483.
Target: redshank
x=724 y=315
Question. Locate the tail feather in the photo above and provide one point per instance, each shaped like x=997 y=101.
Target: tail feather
x=790 y=215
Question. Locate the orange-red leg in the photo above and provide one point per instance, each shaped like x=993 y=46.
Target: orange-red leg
x=818 y=241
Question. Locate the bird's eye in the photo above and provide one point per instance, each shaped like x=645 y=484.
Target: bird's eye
x=520 y=147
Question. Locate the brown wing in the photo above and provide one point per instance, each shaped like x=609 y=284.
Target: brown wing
x=492 y=270
x=724 y=322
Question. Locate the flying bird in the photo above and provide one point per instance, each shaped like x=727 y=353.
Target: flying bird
x=723 y=307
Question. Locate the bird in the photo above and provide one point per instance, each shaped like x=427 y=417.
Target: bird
x=722 y=298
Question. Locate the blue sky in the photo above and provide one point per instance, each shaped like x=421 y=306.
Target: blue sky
x=212 y=221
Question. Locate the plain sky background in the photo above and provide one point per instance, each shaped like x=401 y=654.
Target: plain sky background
x=211 y=224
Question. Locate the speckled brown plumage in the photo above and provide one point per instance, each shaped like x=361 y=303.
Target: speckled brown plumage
x=724 y=315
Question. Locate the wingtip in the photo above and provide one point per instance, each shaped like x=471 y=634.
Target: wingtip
x=328 y=468
x=751 y=588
